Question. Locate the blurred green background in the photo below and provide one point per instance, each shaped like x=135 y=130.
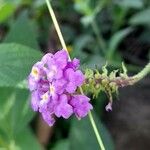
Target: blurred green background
x=95 y=31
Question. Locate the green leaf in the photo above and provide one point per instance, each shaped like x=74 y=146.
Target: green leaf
x=62 y=145
x=141 y=18
x=83 y=137
x=15 y=110
x=115 y=41
x=6 y=10
x=27 y=141
x=15 y=63
x=23 y=31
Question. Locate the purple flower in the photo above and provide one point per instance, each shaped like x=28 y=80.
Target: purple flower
x=61 y=59
x=74 y=64
x=53 y=82
x=74 y=78
x=37 y=71
x=53 y=71
x=35 y=100
x=36 y=74
x=109 y=106
x=49 y=119
x=63 y=108
x=60 y=85
x=81 y=105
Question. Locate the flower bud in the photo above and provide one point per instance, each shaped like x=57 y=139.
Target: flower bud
x=97 y=76
x=104 y=82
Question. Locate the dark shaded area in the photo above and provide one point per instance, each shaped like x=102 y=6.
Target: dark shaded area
x=129 y=122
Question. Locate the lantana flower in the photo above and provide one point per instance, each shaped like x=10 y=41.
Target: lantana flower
x=53 y=83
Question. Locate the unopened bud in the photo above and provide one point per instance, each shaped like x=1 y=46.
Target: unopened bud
x=97 y=76
x=104 y=82
x=97 y=86
x=113 y=86
x=90 y=80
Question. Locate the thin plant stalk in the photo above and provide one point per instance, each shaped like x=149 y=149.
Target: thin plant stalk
x=100 y=142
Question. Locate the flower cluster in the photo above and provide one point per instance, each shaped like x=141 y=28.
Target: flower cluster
x=53 y=82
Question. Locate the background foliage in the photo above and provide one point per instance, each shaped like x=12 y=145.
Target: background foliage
x=94 y=30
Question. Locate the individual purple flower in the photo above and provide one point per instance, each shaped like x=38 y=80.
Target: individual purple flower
x=53 y=71
x=55 y=64
x=37 y=71
x=46 y=58
x=35 y=100
x=32 y=83
x=61 y=59
x=53 y=82
x=36 y=74
x=74 y=78
x=60 y=85
x=49 y=119
x=74 y=64
x=81 y=105
x=63 y=108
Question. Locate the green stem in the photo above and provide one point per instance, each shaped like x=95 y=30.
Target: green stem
x=96 y=131
x=65 y=47
x=142 y=73
x=57 y=26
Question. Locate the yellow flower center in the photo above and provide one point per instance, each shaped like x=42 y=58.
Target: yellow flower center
x=45 y=97
x=51 y=89
x=35 y=72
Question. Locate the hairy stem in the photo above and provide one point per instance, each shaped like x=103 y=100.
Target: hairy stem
x=142 y=73
x=109 y=83
x=65 y=47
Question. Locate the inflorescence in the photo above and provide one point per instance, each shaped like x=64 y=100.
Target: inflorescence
x=53 y=82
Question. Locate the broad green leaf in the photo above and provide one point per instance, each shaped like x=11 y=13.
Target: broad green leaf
x=141 y=18
x=27 y=141
x=62 y=145
x=15 y=63
x=23 y=31
x=15 y=110
x=115 y=41
x=137 y=4
x=83 y=137
x=6 y=10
